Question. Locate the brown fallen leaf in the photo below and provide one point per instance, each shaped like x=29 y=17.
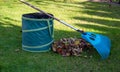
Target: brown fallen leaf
x=17 y=50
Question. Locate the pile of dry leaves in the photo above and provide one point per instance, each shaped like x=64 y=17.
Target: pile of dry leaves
x=71 y=46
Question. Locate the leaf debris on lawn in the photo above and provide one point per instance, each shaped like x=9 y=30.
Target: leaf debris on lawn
x=71 y=47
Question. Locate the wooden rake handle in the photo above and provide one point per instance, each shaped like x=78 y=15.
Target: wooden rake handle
x=81 y=31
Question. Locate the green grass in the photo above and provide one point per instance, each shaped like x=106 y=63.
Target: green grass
x=93 y=17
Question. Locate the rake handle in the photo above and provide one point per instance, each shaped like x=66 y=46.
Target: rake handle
x=81 y=31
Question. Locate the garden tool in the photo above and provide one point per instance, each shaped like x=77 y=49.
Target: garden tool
x=100 y=42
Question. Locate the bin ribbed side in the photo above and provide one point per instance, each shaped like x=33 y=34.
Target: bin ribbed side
x=37 y=33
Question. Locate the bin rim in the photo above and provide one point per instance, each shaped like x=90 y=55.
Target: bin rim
x=27 y=16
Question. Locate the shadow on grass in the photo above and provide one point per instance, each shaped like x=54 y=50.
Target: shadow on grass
x=101 y=9
x=90 y=8
x=108 y=23
x=65 y=34
x=110 y=26
x=59 y=4
x=10 y=33
x=0 y=68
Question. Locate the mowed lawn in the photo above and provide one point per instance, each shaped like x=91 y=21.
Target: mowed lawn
x=89 y=16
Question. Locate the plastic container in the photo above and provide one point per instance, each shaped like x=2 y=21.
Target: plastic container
x=37 y=32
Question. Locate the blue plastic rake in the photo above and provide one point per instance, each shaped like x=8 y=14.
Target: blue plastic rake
x=101 y=43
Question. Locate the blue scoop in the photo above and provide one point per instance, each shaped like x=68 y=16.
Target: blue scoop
x=101 y=43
